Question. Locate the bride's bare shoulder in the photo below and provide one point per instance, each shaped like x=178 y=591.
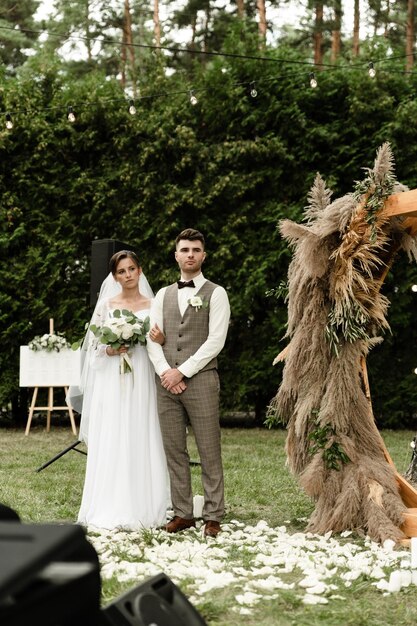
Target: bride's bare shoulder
x=115 y=303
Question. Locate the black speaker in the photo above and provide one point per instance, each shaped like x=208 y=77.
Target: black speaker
x=7 y=514
x=101 y=252
x=49 y=576
x=155 y=602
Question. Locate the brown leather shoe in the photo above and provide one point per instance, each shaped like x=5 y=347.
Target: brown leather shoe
x=212 y=528
x=179 y=523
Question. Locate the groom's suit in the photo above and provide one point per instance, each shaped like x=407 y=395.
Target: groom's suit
x=193 y=338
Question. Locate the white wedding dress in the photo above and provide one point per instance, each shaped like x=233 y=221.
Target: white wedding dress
x=126 y=484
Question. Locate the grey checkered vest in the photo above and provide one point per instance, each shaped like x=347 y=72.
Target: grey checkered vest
x=184 y=335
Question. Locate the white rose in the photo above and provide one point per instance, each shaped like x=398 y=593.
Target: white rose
x=196 y=301
x=127 y=331
x=115 y=325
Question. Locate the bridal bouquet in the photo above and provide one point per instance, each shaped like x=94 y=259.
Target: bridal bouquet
x=122 y=329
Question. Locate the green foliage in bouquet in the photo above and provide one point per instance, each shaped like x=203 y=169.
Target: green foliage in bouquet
x=124 y=328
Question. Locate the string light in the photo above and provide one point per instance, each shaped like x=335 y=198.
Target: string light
x=132 y=108
x=251 y=86
x=414 y=288
x=71 y=115
x=415 y=370
x=371 y=70
x=9 y=121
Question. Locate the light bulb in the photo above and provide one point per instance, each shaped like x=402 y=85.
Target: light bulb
x=371 y=70
x=313 y=80
x=414 y=288
x=9 y=121
x=132 y=108
x=415 y=370
x=71 y=115
x=253 y=91
x=193 y=99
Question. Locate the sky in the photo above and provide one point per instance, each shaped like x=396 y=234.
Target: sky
x=289 y=13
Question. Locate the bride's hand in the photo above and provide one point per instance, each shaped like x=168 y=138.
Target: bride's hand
x=112 y=352
x=157 y=335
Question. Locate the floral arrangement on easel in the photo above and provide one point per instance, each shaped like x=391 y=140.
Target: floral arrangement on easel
x=49 y=342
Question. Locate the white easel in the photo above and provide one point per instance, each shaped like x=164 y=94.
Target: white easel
x=50 y=406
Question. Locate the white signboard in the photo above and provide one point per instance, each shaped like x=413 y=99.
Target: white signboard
x=49 y=369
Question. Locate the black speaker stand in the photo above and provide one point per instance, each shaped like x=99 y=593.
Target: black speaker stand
x=73 y=446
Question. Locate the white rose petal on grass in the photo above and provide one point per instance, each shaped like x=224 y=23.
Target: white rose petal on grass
x=314 y=599
x=309 y=581
x=377 y=572
x=352 y=575
x=263 y=571
x=406 y=578
x=317 y=590
x=388 y=545
x=271 y=583
x=242 y=610
x=248 y=598
x=216 y=581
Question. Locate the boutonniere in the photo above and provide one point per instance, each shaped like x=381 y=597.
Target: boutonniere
x=198 y=302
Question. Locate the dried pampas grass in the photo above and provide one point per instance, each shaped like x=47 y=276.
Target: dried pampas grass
x=335 y=312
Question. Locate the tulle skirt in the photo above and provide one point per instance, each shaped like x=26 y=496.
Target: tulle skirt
x=126 y=482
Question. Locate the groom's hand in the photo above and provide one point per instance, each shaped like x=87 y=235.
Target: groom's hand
x=177 y=389
x=171 y=378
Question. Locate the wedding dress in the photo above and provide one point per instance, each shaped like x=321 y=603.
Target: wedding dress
x=126 y=477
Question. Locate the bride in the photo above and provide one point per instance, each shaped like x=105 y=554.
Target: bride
x=126 y=476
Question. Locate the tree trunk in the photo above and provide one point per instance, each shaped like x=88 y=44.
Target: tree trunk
x=206 y=29
x=193 y=31
x=87 y=31
x=336 y=36
x=260 y=4
x=156 y=23
x=409 y=41
x=127 y=47
x=356 y=22
x=241 y=8
x=377 y=17
x=387 y=20
x=318 y=34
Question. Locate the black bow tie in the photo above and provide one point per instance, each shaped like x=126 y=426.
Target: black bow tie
x=185 y=283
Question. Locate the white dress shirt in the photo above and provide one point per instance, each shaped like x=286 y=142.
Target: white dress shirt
x=219 y=316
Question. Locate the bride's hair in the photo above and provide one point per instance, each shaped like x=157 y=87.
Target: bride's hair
x=118 y=256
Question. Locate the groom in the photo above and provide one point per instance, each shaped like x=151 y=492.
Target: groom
x=194 y=316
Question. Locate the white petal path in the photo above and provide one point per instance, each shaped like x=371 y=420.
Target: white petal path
x=258 y=561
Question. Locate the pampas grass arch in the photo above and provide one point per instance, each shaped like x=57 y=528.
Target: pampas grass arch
x=336 y=312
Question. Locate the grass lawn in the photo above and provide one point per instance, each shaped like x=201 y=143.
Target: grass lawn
x=258 y=487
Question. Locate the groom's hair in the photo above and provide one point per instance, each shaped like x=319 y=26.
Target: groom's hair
x=191 y=235
x=118 y=256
